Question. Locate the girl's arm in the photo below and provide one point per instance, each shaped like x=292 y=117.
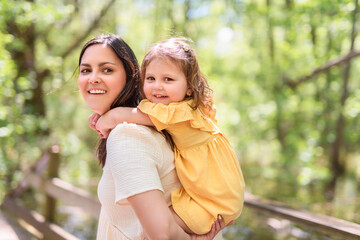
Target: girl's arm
x=157 y=220
x=114 y=116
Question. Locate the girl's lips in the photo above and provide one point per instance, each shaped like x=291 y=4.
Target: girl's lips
x=159 y=96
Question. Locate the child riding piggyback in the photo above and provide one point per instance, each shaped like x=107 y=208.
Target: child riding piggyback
x=178 y=99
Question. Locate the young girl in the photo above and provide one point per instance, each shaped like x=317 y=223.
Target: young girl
x=178 y=100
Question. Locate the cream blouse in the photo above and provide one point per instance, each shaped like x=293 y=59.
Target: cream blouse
x=138 y=160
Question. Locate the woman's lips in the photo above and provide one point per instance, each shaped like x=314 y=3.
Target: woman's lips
x=97 y=91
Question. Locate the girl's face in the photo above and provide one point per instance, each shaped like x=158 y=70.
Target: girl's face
x=102 y=77
x=165 y=82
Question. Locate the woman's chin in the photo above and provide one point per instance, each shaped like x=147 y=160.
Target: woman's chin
x=98 y=111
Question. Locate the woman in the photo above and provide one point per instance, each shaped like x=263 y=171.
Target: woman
x=138 y=168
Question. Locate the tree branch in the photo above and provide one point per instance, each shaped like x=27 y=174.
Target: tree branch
x=294 y=83
x=91 y=27
x=61 y=24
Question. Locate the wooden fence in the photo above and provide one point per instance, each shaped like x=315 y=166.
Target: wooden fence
x=57 y=189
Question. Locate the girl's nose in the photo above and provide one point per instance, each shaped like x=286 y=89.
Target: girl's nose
x=158 y=85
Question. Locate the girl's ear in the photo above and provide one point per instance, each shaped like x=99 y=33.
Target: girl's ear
x=188 y=92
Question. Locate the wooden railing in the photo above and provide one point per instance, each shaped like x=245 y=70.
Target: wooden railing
x=68 y=194
x=32 y=221
x=321 y=223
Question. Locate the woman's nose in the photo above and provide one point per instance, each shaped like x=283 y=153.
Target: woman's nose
x=94 y=78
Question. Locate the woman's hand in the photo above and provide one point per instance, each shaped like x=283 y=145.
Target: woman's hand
x=217 y=226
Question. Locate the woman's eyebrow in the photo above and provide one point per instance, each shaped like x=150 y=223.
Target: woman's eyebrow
x=100 y=64
x=104 y=63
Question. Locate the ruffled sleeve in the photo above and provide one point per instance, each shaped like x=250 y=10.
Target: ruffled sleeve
x=164 y=115
x=211 y=113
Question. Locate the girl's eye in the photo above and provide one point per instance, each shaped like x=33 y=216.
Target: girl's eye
x=168 y=79
x=150 y=78
x=108 y=70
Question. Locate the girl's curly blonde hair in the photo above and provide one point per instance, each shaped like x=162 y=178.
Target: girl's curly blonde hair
x=179 y=52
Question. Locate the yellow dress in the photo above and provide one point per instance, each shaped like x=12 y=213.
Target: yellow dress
x=205 y=163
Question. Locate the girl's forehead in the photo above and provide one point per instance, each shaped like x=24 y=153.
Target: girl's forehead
x=164 y=60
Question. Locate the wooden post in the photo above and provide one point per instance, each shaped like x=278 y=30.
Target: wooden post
x=53 y=172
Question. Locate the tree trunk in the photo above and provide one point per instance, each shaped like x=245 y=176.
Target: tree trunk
x=25 y=62
x=328 y=106
x=270 y=31
x=186 y=17
x=337 y=158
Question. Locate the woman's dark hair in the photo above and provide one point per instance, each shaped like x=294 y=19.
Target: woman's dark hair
x=129 y=96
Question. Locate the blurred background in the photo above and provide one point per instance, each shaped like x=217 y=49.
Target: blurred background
x=285 y=76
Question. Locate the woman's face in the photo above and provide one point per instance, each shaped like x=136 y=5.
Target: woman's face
x=102 y=77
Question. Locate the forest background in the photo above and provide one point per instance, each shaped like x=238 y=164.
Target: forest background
x=285 y=76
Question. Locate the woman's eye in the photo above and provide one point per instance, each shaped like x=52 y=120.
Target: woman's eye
x=108 y=70
x=85 y=70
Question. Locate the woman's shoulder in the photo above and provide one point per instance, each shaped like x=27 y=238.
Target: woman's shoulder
x=129 y=139
x=137 y=134
x=135 y=130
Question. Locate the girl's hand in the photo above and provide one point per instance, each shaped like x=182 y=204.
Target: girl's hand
x=108 y=121
x=217 y=226
x=92 y=120
x=103 y=126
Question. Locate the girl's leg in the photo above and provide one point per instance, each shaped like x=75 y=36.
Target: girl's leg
x=180 y=222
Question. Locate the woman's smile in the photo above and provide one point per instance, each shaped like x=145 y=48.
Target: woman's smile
x=95 y=91
x=102 y=77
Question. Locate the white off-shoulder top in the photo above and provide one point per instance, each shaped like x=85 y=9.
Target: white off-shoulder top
x=138 y=159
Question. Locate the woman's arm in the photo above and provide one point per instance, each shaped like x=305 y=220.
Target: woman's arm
x=106 y=122
x=134 y=158
x=155 y=217
x=158 y=222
